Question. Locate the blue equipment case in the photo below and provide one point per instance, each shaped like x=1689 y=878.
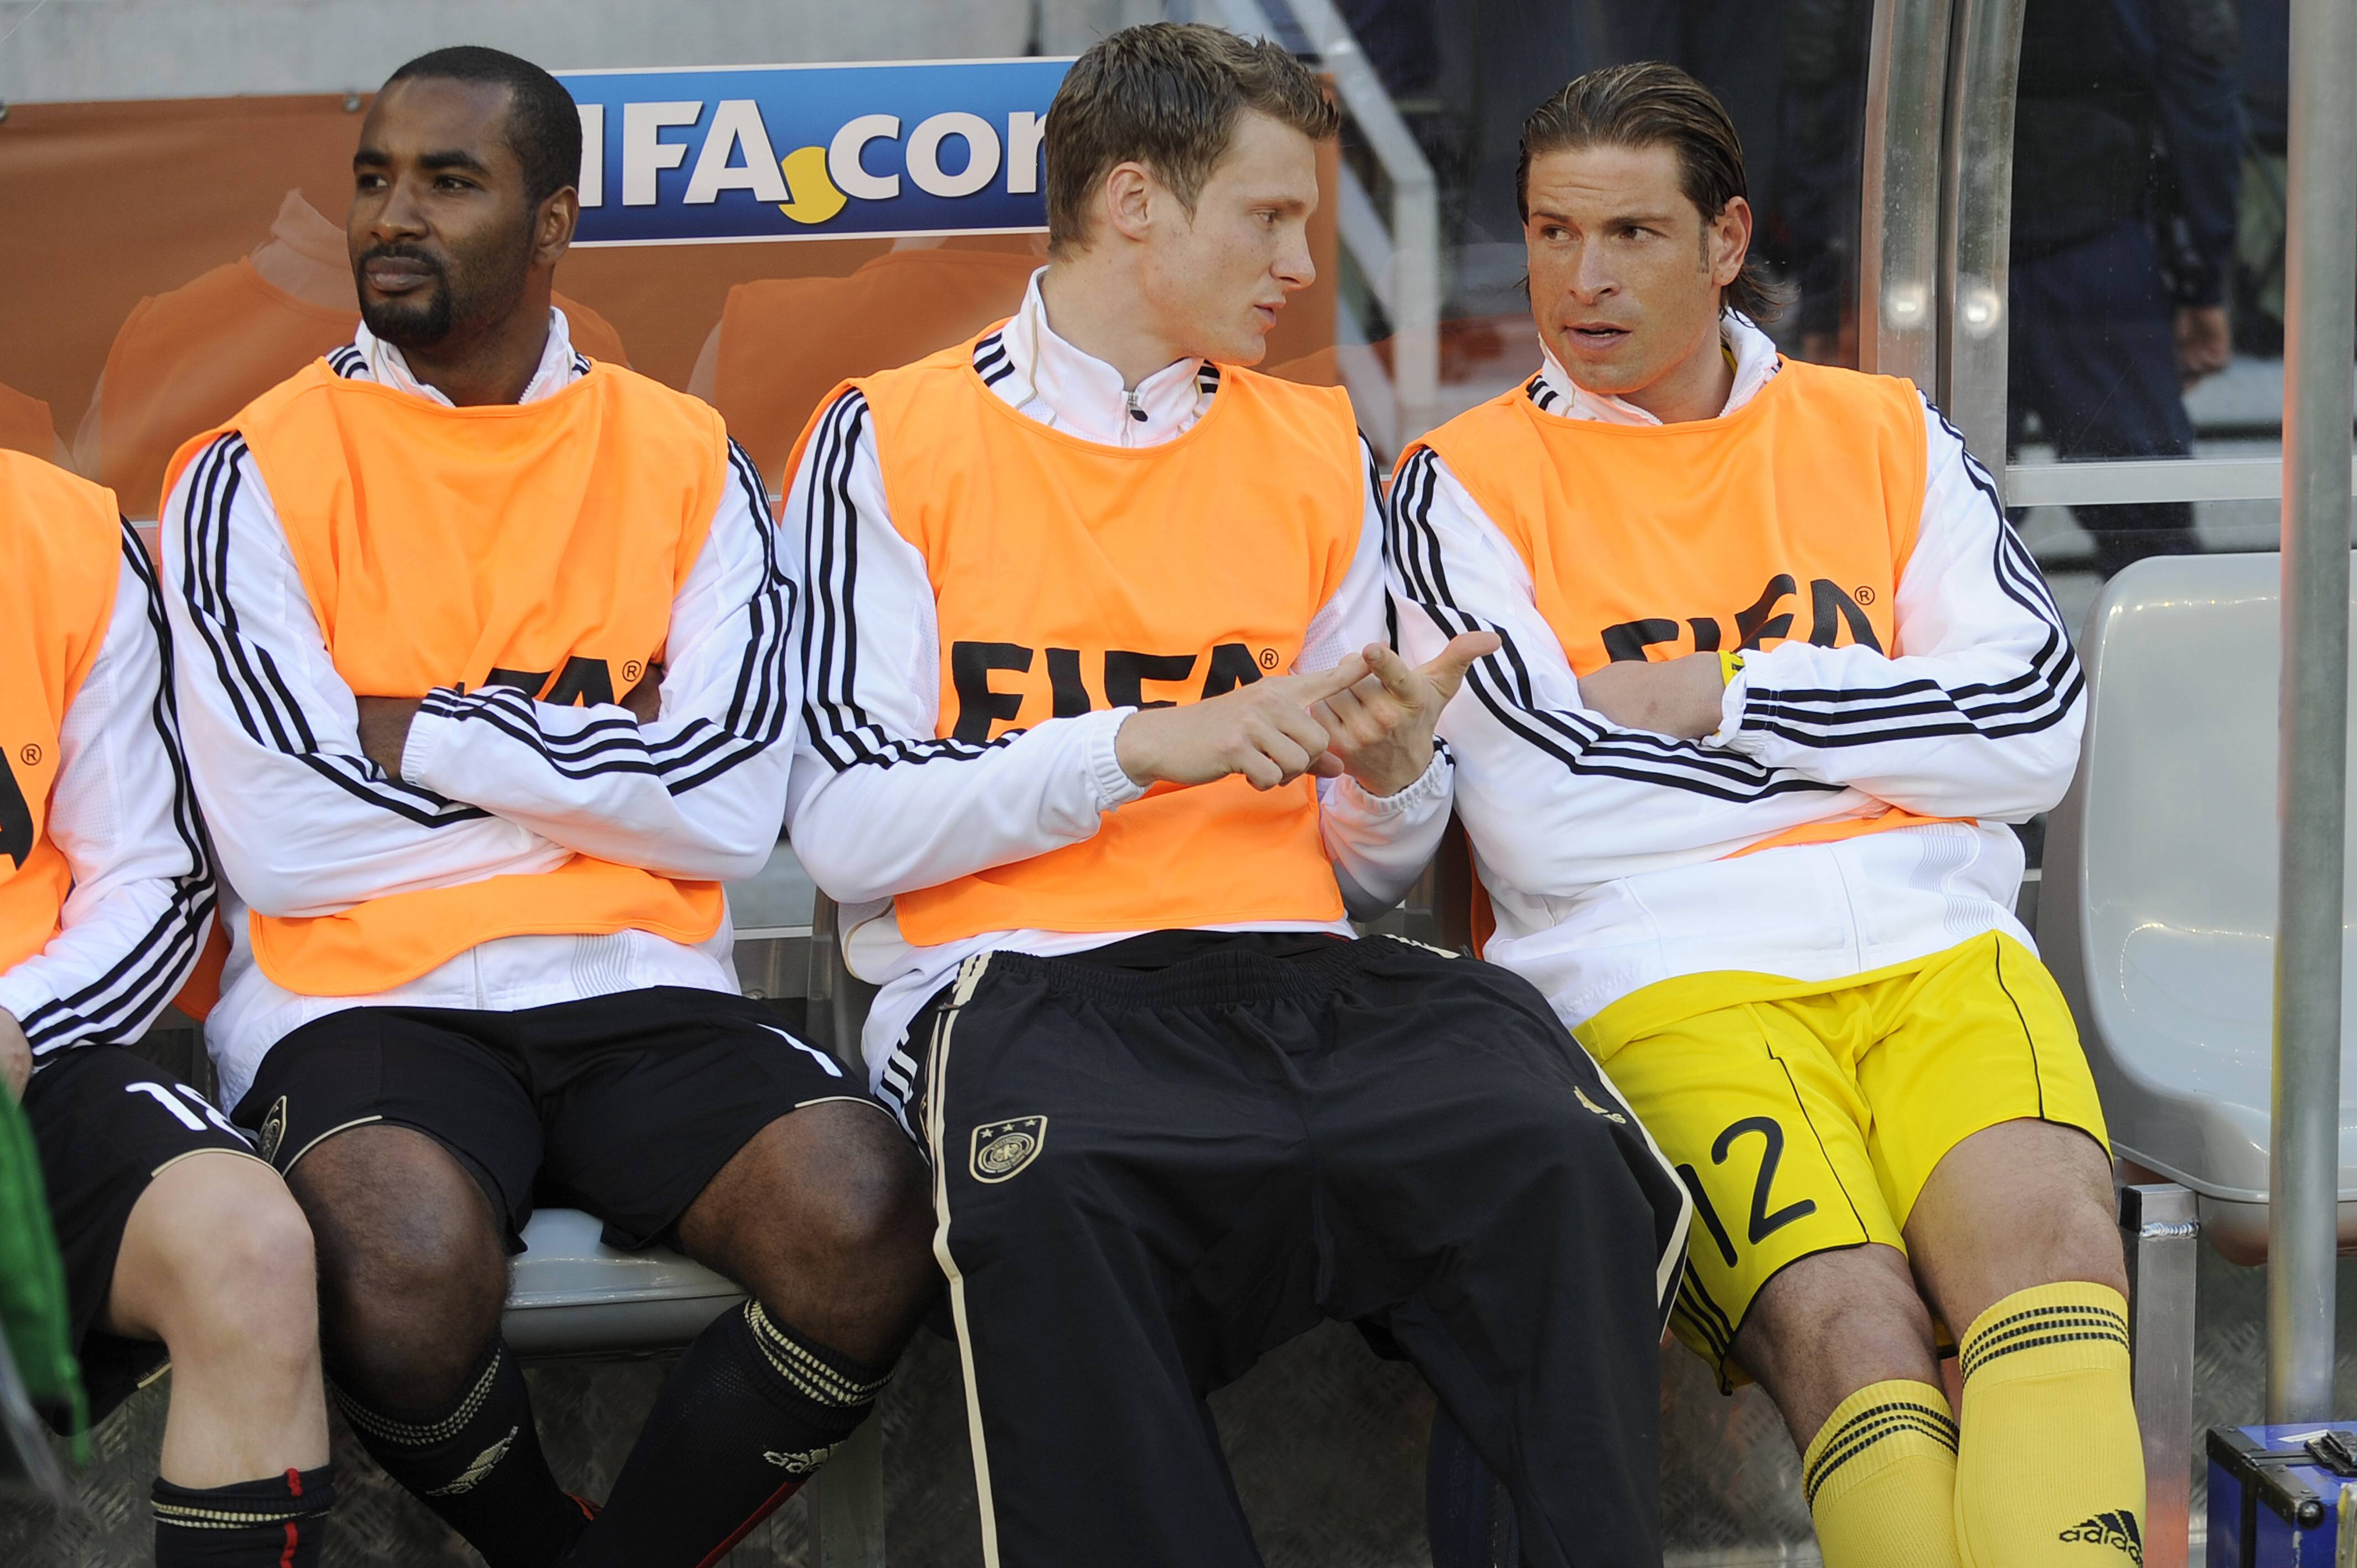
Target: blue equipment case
x=2275 y=1493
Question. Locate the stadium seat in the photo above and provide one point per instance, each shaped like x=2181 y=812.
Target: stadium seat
x=2159 y=884
x=571 y=1294
x=2157 y=915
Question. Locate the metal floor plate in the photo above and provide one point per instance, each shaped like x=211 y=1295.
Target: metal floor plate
x=1327 y=1443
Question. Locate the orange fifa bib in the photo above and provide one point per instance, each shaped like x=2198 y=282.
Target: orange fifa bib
x=537 y=546
x=1069 y=576
x=62 y=539
x=1790 y=518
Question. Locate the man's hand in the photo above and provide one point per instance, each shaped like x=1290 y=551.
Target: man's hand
x=385 y=729
x=1679 y=697
x=1263 y=731
x=1382 y=727
x=15 y=1057
x=2204 y=343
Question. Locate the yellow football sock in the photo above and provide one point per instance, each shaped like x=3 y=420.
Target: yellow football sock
x=1881 y=1477
x=2051 y=1463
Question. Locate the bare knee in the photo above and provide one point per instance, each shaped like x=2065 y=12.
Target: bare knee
x=217 y=1263
x=881 y=1205
x=827 y=1218
x=412 y=1269
x=1829 y=1325
x=2013 y=1206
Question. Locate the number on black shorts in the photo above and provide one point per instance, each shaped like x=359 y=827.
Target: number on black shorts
x=165 y=1097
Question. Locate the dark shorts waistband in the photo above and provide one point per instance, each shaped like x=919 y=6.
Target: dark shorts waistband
x=1237 y=974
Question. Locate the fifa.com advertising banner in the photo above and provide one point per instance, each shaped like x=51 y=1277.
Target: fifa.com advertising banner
x=126 y=328
x=744 y=153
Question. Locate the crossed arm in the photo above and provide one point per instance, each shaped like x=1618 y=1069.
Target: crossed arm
x=1639 y=766
x=311 y=812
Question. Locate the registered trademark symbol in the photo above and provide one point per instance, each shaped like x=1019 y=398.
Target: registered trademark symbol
x=1865 y=595
x=1269 y=657
x=630 y=669
x=30 y=756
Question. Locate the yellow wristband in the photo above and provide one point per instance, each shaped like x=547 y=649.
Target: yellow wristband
x=1728 y=664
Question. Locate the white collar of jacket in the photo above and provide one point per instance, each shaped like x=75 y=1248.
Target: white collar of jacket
x=560 y=367
x=1070 y=390
x=1755 y=367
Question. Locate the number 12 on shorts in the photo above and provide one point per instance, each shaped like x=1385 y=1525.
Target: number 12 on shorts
x=1763 y=1223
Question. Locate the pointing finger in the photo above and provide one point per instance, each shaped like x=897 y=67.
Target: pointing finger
x=1341 y=678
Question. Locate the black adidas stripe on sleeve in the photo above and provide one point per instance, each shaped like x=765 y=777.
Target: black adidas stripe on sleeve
x=1500 y=681
x=839 y=727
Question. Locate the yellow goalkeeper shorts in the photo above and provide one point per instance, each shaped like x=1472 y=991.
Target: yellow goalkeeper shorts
x=1806 y=1116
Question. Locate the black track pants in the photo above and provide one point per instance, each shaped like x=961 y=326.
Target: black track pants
x=1146 y=1178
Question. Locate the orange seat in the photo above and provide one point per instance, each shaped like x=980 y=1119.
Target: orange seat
x=785 y=343
x=186 y=361
x=26 y=427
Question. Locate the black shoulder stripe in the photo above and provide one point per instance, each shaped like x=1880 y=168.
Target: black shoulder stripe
x=120 y=1003
x=1500 y=681
x=265 y=706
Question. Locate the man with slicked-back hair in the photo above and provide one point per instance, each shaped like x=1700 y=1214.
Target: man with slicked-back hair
x=485 y=653
x=1774 y=678
x=1103 y=743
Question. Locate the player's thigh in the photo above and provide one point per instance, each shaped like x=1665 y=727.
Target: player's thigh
x=105 y=1125
x=1979 y=1038
x=2014 y=1207
x=323 y=1095
x=646 y=1107
x=1765 y=1128
x=216 y=1255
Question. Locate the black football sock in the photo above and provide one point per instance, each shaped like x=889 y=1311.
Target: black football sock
x=750 y=1413
x=476 y=1462
x=271 y=1523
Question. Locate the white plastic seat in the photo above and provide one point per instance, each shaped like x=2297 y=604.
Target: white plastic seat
x=571 y=1294
x=2158 y=912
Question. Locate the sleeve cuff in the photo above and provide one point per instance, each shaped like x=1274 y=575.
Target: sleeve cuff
x=1114 y=787
x=1734 y=705
x=1435 y=784
x=428 y=731
x=21 y=995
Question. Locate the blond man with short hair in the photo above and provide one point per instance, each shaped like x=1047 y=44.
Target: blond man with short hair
x=1103 y=743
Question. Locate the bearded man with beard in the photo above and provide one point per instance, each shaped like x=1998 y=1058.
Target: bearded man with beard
x=484 y=669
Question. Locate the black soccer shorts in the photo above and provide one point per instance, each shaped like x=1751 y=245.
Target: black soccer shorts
x=625 y=1105
x=105 y=1124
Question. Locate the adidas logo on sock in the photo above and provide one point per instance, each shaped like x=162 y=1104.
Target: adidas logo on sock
x=2110 y=1530
x=485 y=1463
x=800 y=1464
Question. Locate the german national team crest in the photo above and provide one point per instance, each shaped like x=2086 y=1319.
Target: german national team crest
x=274 y=1131
x=1001 y=1149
